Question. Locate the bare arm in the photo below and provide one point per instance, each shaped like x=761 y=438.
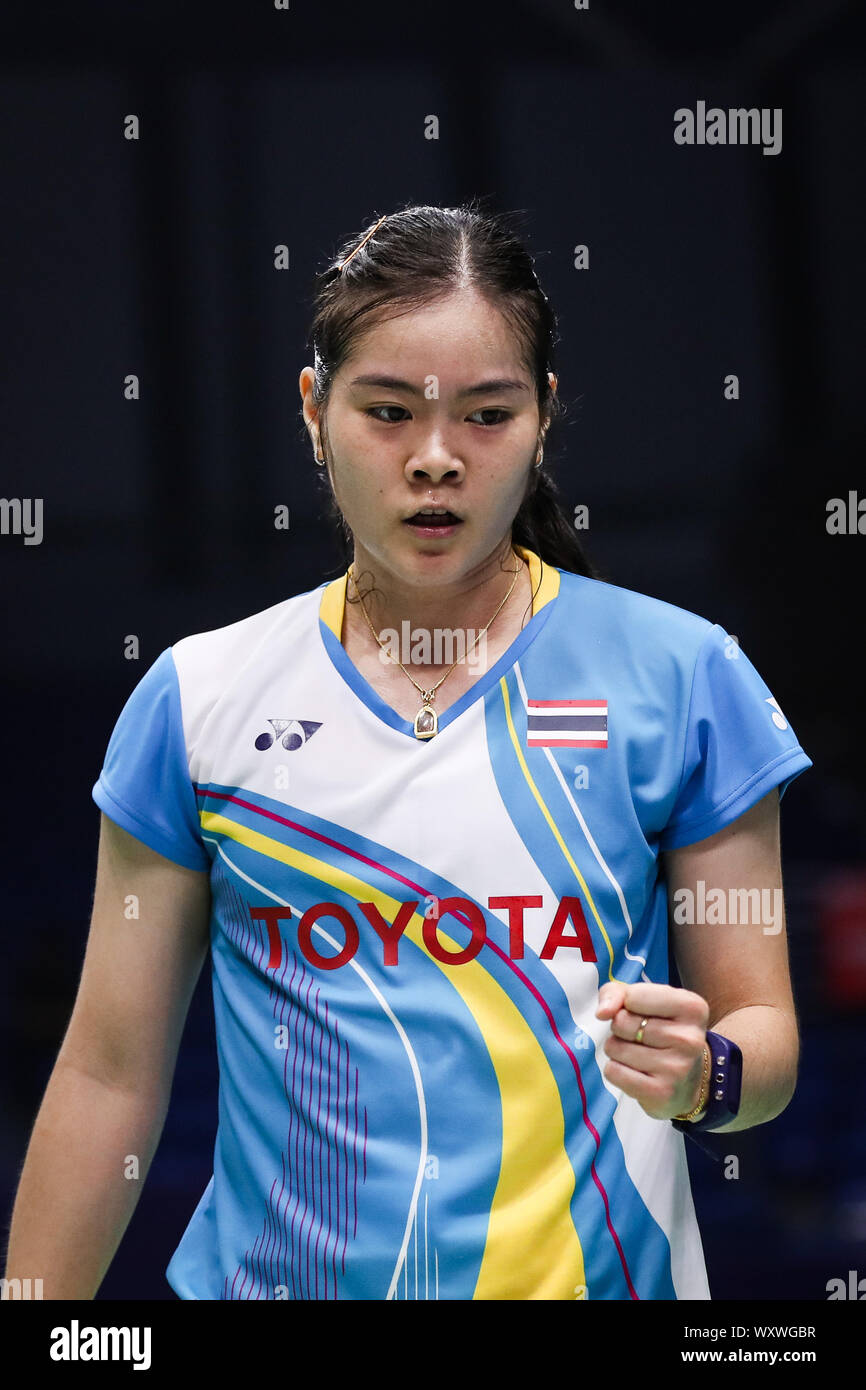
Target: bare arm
x=735 y=981
x=106 y=1101
x=742 y=969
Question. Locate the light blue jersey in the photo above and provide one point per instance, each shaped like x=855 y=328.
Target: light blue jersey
x=408 y=940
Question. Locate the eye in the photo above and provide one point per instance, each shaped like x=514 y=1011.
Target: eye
x=371 y=411
x=503 y=414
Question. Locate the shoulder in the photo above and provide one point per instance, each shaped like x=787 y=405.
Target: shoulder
x=208 y=663
x=239 y=640
x=626 y=621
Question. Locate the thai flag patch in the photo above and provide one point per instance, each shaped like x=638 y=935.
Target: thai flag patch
x=567 y=724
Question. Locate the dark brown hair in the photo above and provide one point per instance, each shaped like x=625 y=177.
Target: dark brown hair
x=419 y=255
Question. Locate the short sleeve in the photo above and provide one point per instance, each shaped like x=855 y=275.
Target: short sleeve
x=738 y=744
x=145 y=784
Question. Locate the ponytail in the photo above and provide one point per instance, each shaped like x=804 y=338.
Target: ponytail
x=542 y=525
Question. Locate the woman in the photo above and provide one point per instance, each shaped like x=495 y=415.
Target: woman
x=439 y=889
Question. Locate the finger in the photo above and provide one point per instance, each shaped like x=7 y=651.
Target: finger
x=610 y=999
x=648 y=1090
x=626 y=1025
x=664 y=1001
x=634 y=1055
x=668 y=1072
x=673 y=1034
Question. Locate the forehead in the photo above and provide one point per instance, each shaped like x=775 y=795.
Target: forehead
x=456 y=334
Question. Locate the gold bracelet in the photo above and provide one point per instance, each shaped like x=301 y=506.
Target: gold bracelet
x=704 y=1095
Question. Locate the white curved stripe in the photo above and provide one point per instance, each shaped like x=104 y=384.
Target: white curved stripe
x=585 y=828
x=401 y=1033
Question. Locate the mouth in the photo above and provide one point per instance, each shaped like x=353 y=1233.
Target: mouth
x=435 y=522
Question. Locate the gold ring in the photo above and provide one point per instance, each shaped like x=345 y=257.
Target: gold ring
x=639 y=1034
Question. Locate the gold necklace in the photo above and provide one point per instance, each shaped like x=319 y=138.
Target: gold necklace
x=427 y=720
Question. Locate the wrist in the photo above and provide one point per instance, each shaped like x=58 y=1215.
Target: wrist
x=725 y=1081
x=699 y=1104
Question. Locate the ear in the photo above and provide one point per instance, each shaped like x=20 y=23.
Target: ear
x=546 y=419
x=306 y=381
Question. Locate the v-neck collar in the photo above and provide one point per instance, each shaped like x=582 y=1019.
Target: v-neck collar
x=545 y=582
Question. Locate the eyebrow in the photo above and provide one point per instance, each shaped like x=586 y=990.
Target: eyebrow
x=482 y=388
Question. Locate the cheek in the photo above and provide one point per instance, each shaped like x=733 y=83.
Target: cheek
x=498 y=496
x=359 y=495
x=514 y=487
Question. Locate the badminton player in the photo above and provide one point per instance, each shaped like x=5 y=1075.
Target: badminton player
x=437 y=883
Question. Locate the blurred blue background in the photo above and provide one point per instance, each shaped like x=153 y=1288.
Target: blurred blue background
x=266 y=127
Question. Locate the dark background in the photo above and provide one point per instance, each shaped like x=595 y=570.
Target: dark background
x=262 y=127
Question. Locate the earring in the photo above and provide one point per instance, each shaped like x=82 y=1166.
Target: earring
x=538 y=457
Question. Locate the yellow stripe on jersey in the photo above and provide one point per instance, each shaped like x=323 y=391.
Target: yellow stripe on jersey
x=532 y=1250
x=333 y=603
x=543 y=578
x=552 y=823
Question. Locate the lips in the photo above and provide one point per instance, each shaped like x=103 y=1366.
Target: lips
x=432 y=520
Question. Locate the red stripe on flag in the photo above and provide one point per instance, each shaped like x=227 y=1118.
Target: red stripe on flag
x=562 y=704
x=566 y=742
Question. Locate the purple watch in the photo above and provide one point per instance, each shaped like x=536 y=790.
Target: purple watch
x=726 y=1079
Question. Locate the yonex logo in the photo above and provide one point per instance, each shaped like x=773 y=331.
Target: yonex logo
x=778 y=717
x=292 y=733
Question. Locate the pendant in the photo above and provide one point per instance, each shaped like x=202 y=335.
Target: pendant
x=426 y=720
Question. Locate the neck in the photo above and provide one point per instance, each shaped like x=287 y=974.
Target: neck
x=469 y=602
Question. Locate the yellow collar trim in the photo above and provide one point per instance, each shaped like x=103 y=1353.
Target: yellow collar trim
x=543 y=578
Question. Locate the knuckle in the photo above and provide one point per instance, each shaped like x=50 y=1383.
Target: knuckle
x=656 y=1089
x=699 y=1007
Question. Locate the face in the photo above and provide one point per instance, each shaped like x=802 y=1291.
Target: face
x=435 y=430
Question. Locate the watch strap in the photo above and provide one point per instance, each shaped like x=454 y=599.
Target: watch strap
x=726 y=1079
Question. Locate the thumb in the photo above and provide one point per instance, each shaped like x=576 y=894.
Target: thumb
x=610 y=1000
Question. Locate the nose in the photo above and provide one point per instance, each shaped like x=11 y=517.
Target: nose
x=433 y=460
